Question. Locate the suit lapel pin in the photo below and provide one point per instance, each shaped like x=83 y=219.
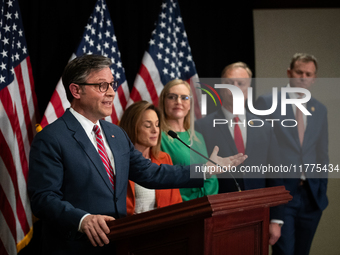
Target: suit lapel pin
x=251 y=122
x=312 y=108
x=112 y=136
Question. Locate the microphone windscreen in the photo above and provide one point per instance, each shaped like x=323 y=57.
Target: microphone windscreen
x=172 y=134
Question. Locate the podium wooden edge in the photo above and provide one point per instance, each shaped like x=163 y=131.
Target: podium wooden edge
x=160 y=218
x=249 y=199
x=199 y=208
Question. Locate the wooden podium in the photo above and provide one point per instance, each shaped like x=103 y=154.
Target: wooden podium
x=230 y=223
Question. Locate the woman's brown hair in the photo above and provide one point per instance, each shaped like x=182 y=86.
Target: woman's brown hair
x=131 y=120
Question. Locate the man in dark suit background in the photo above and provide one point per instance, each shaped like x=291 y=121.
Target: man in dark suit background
x=80 y=165
x=259 y=143
x=306 y=143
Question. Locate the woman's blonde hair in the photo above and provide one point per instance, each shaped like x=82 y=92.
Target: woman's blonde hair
x=188 y=119
x=132 y=118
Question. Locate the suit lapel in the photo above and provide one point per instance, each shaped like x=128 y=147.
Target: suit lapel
x=293 y=130
x=251 y=135
x=311 y=124
x=83 y=140
x=291 y=133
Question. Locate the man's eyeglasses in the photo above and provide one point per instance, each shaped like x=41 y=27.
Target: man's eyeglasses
x=174 y=97
x=103 y=86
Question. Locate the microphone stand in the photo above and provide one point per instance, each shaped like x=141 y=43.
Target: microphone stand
x=175 y=136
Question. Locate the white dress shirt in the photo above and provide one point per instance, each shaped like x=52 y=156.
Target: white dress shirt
x=145 y=199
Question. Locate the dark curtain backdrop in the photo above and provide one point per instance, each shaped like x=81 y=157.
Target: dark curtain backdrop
x=218 y=33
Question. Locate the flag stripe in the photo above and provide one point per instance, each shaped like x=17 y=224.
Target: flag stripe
x=150 y=64
x=7 y=240
x=31 y=99
x=20 y=80
x=114 y=117
x=2 y=248
x=16 y=118
x=144 y=73
x=8 y=139
x=140 y=91
x=135 y=95
x=58 y=106
x=55 y=107
x=18 y=106
x=11 y=112
x=8 y=161
x=32 y=95
x=44 y=121
x=9 y=180
x=120 y=102
x=13 y=118
x=6 y=207
x=121 y=96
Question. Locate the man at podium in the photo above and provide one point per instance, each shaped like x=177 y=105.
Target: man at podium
x=80 y=165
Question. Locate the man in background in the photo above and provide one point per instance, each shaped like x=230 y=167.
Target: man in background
x=302 y=145
x=237 y=136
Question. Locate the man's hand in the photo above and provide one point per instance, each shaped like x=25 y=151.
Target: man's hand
x=274 y=233
x=96 y=229
x=227 y=162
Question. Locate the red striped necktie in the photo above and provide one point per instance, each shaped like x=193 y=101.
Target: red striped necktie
x=238 y=137
x=103 y=154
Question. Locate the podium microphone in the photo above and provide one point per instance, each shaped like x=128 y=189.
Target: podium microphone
x=175 y=136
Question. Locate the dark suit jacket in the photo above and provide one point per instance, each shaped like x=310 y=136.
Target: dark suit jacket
x=261 y=148
x=67 y=179
x=314 y=149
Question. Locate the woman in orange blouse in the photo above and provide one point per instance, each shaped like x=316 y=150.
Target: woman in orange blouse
x=141 y=122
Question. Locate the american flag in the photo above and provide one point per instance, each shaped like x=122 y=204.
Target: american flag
x=18 y=108
x=168 y=57
x=98 y=38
